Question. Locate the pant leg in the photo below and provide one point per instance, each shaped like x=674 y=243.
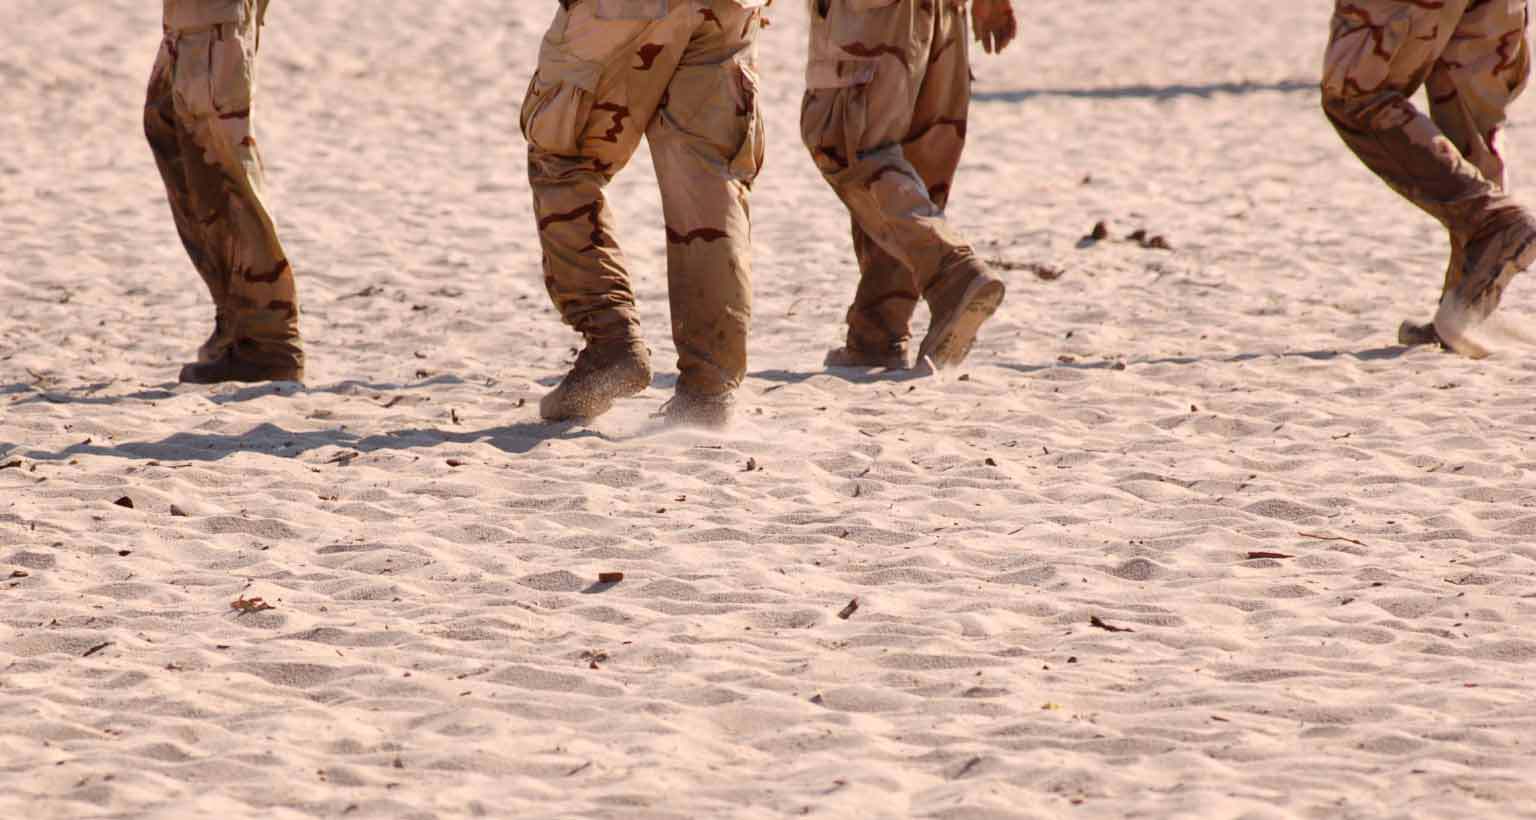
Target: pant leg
x=213 y=91
x=598 y=85
x=1381 y=51
x=880 y=317
x=1482 y=70
x=163 y=129
x=888 y=291
x=707 y=140
x=868 y=69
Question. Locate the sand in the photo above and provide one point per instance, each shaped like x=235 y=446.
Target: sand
x=1125 y=447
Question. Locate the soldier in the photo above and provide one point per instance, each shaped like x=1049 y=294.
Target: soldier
x=1474 y=57
x=888 y=89
x=198 y=121
x=682 y=74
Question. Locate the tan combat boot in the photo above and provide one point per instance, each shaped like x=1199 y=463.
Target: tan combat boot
x=1493 y=259
x=239 y=363
x=1413 y=334
x=232 y=369
x=231 y=359
x=604 y=372
x=960 y=301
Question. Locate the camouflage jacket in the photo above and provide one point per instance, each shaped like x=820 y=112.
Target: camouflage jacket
x=181 y=15
x=645 y=9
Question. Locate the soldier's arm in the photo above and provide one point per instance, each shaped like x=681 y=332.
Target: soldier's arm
x=994 y=23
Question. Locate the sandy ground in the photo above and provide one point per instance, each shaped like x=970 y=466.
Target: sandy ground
x=1125 y=445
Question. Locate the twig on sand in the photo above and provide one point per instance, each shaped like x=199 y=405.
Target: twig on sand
x=245 y=606
x=1317 y=537
x=1107 y=627
x=97 y=648
x=371 y=290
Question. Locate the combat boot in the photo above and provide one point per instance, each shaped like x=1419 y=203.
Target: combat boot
x=960 y=301
x=893 y=357
x=604 y=372
x=1493 y=260
x=1414 y=334
x=231 y=367
x=689 y=409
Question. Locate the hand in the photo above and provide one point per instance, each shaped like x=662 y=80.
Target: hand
x=994 y=24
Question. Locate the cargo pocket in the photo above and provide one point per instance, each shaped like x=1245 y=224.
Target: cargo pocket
x=631 y=9
x=192 y=77
x=753 y=151
x=874 y=23
x=558 y=106
x=715 y=110
x=832 y=126
x=828 y=65
x=855 y=36
x=232 y=72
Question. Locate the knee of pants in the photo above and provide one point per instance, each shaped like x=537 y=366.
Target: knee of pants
x=1356 y=110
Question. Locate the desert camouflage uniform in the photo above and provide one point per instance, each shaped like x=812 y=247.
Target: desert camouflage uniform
x=1474 y=59
x=682 y=74
x=198 y=121
x=888 y=91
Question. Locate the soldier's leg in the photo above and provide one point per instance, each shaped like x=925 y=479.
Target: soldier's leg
x=603 y=69
x=880 y=317
x=708 y=141
x=1379 y=54
x=214 y=96
x=1482 y=70
x=583 y=117
x=888 y=292
x=166 y=136
x=867 y=69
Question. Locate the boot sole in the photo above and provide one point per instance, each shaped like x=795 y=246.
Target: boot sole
x=203 y=373
x=843 y=357
x=948 y=345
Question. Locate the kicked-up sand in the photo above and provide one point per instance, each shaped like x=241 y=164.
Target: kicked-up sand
x=1188 y=536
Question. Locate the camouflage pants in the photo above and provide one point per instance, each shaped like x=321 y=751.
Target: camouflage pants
x=681 y=74
x=198 y=121
x=1473 y=57
x=888 y=91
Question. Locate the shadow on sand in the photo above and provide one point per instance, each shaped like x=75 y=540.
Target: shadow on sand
x=1146 y=92
x=270 y=439
x=86 y=394
x=515 y=439
x=1375 y=354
